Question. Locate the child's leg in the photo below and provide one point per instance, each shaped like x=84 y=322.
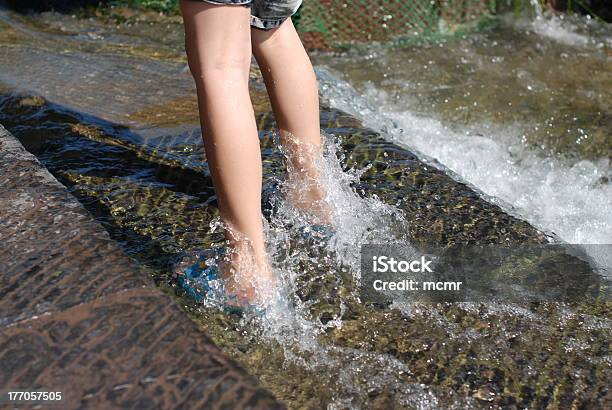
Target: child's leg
x=293 y=91
x=218 y=44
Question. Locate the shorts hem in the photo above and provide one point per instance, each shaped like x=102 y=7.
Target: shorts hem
x=266 y=24
x=228 y=3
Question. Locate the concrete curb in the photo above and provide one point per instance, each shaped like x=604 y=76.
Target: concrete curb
x=79 y=317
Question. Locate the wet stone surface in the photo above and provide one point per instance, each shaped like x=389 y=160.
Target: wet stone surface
x=131 y=349
x=81 y=318
x=440 y=209
x=132 y=154
x=156 y=201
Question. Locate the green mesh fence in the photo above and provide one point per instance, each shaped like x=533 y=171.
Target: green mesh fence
x=329 y=24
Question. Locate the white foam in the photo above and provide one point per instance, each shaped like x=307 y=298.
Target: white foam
x=555 y=29
x=560 y=28
x=573 y=200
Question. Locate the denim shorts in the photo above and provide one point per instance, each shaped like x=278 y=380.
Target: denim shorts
x=265 y=14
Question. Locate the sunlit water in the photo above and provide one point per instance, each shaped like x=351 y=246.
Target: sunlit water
x=504 y=111
x=124 y=138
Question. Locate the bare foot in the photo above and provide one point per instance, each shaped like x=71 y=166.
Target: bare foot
x=247 y=278
x=311 y=201
x=304 y=189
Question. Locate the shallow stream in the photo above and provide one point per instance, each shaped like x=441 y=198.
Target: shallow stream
x=501 y=137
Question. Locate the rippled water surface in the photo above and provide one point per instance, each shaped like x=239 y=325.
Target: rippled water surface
x=522 y=111
x=517 y=114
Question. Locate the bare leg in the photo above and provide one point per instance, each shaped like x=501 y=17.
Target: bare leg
x=218 y=44
x=293 y=91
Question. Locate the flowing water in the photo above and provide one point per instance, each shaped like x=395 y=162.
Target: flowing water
x=521 y=111
x=517 y=116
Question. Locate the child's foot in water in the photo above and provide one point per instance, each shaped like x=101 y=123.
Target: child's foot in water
x=311 y=201
x=304 y=189
x=206 y=276
x=248 y=282
x=316 y=212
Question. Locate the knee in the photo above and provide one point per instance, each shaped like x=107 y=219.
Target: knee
x=207 y=67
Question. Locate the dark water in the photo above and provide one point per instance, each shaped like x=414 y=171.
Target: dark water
x=118 y=126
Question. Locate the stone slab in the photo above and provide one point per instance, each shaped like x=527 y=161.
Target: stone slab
x=79 y=317
x=127 y=350
x=53 y=255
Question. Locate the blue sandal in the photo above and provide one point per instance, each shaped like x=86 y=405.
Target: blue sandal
x=196 y=280
x=201 y=282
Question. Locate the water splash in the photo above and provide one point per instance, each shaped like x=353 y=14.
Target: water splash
x=563 y=28
x=571 y=199
x=537 y=8
x=306 y=262
x=355 y=220
x=319 y=275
